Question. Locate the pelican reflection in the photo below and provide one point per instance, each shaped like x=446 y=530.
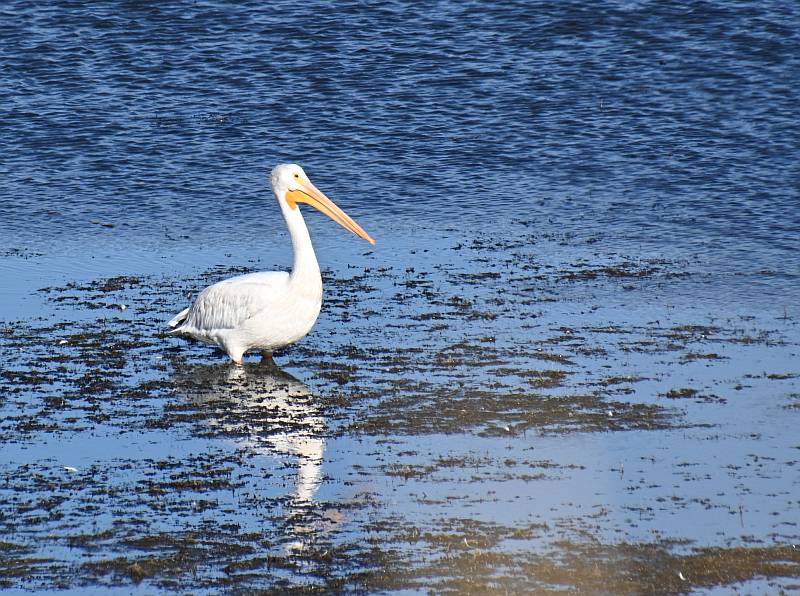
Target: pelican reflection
x=266 y=411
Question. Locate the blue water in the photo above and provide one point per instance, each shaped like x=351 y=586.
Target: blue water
x=670 y=124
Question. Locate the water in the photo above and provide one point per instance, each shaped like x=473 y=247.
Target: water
x=579 y=209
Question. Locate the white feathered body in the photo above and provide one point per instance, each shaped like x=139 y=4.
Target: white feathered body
x=258 y=311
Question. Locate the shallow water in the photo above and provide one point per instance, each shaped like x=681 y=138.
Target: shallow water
x=570 y=362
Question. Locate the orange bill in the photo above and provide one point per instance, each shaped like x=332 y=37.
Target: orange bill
x=311 y=195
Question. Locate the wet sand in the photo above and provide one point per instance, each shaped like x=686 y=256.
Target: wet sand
x=496 y=416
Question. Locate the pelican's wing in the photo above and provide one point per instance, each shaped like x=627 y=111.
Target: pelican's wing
x=229 y=303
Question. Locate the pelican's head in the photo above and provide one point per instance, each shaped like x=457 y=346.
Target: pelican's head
x=291 y=186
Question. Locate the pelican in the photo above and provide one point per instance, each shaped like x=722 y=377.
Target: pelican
x=268 y=310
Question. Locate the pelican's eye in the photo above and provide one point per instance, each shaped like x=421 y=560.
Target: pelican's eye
x=297 y=176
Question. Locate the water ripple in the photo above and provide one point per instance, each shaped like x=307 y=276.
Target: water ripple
x=658 y=122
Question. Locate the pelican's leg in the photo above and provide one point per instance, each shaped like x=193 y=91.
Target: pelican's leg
x=266 y=357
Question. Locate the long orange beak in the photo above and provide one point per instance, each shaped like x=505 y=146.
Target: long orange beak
x=311 y=195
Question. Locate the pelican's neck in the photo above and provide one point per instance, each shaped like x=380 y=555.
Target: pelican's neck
x=305 y=267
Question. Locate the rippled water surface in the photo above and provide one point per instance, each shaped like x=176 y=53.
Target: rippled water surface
x=570 y=362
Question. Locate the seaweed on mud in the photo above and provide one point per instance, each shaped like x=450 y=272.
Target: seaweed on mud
x=445 y=410
x=16 y=568
x=691 y=356
x=467 y=555
x=626 y=270
x=453 y=468
x=137 y=569
x=537 y=378
x=22 y=252
x=617 y=569
x=620 y=379
x=680 y=393
x=464 y=555
x=650 y=568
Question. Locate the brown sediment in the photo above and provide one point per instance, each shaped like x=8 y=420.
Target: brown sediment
x=626 y=568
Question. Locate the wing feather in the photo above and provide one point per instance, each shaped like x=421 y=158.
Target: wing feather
x=229 y=303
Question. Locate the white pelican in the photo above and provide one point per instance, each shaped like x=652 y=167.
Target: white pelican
x=268 y=310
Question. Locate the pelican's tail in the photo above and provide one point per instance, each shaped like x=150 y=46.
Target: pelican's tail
x=178 y=319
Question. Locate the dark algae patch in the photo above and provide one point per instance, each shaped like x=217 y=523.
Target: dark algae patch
x=680 y=393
